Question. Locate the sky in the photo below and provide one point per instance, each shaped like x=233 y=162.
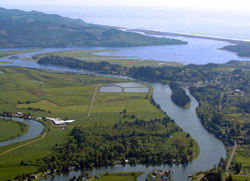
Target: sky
x=218 y=4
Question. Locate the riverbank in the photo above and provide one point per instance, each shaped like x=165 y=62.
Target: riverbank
x=194 y=166
x=70 y=93
x=11 y=129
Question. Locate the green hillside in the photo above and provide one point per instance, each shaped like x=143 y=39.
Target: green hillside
x=37 y=29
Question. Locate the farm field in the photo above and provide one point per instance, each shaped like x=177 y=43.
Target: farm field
x=64 y=95
x=242 y=157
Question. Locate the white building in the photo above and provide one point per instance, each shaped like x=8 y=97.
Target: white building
x=59 y=121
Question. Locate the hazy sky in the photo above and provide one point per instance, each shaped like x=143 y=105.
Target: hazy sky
x=224 y=4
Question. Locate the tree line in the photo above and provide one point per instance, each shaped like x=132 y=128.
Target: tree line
x=131 y=142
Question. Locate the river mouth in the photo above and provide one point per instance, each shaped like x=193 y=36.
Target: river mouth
x=211 y=149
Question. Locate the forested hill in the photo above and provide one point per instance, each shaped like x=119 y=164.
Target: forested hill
x=37 y=29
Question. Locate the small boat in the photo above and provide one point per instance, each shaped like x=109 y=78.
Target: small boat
x=190 y=175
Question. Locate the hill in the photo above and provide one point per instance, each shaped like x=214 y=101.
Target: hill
x=36 y=29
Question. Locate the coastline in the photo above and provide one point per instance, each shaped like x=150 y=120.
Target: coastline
x=186 y=35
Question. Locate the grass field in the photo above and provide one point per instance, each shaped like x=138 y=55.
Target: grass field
x=90 y=56
x=14 y=52
x=241 y=178
x=242 y=155
x=11 y=129
x=5 y=62
x=64 y=95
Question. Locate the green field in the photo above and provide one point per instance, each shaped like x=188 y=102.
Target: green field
x=90 y=56
x=64 y=95
x=11 y=129
x=14 y=52
x=241 y=178
x=242 y=155
x=5 y=62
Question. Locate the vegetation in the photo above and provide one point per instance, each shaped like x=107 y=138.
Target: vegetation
x=10 y=129
x=36 y=29
x=79 y=64
x=241 y=48
x=139 y=141
x=94 y=56
x=222 y=90
x=179 y=95
x=120 y=176
x=14 y=52
x=68 y=95
x=126 y=176
x=187 y=74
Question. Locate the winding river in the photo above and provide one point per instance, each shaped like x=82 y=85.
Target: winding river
x=211 y=149
x=35 y=129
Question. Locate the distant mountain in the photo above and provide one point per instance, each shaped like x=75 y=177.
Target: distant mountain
x=37 y=29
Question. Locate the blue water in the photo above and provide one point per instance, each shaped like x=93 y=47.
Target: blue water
x=215 y=23
x=197 y=51
x=35 y=129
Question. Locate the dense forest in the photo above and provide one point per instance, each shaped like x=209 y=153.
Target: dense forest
x=187 y=74
x=36 y=29
x=179 y=95
x=139 y=141
x=226 y=101
x=241 y=48
x=104 y=67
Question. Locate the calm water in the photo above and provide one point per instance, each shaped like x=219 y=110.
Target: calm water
x=35 y=129
x=110 y=89
x=125 y=87
x=198 y=51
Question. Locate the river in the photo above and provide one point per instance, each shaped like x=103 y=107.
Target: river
x=35 y=129
x=211 y=149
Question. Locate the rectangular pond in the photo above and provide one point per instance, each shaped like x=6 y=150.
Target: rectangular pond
x=131 y=87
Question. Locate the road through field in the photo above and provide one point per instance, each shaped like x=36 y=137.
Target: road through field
x=231 y=157
x=20 y=146
x=92 y=101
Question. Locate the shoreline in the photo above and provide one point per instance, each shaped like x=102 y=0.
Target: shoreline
x=186 y=35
